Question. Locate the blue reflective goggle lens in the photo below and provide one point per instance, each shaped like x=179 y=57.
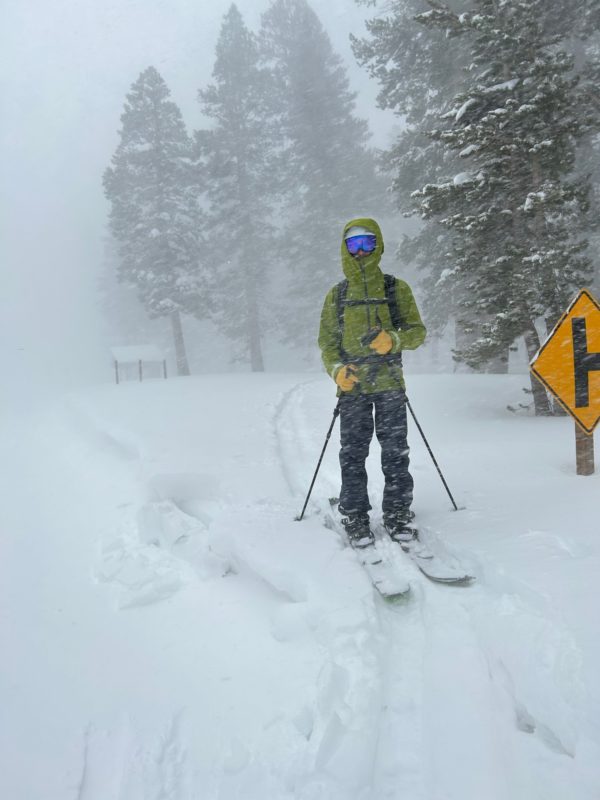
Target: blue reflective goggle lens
x=367 y=242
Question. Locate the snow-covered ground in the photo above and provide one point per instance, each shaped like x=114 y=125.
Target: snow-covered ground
x=169 y=631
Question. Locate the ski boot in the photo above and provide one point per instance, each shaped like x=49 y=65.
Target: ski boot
x=399 y=524
x=358 y=530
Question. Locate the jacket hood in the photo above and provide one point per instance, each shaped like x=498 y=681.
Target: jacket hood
x=350 y=265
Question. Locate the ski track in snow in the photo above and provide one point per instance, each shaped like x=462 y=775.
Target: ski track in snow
x=421 y=706
x=123 y=765
x=391 y=715
x=374 y=721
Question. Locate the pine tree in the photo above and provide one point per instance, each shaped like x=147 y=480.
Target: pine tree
x=152 y=189
x=517 y=213
x=236 y=158
x=587 y=53
x=417 y=69
x=327 y=173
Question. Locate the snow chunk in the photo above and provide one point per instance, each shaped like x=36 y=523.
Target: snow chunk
x=469 y=150
x=531 y=198
x=446 y=273
x=462 y=178
x=507 y=86
x=463 y=109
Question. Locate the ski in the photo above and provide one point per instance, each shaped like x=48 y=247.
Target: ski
x=381 y=572
x=440 y=569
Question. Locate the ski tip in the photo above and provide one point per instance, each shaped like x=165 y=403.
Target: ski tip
x=397 y=597
x=464 y=580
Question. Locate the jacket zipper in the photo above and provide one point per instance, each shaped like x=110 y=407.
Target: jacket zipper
x=364 y=276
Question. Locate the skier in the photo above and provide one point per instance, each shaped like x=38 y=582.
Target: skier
x=367 y=321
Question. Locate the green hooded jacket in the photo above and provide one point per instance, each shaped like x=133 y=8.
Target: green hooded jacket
x=365 y=280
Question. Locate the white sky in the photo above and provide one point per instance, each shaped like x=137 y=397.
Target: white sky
x=65 y=67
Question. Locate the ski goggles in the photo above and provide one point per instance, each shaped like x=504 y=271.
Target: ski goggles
x=367 y=242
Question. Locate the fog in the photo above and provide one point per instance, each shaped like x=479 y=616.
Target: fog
x=66 y=67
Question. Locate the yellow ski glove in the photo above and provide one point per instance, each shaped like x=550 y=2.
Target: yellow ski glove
x=347 y=378
x=382 y=343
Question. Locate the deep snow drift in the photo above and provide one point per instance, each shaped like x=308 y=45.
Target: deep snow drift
x=168 y=630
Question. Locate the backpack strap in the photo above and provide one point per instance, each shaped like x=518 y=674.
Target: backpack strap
x=340 y=299
x=390 y=296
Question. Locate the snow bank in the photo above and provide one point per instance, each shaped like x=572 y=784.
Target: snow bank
x=171 y=631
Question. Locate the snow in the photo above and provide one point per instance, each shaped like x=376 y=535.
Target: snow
x=463 y=109
x=533 y=198
x=462 y=178
x=469 y=150
x=444 y=275
x=170 y=631
x=505 y=86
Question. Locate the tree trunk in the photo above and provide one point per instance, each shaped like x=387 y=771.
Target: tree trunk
x=462 y=340
x=552 y=319
x=253 y=327
x=536 y=183
x=498 y=365
x=180 y=354
x=541 y=400
x=434 y=344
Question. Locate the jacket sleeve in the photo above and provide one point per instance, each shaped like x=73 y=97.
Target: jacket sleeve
x=329 y=335
x=412 y=331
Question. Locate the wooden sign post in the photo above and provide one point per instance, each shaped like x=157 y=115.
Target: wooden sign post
x=568 y=364
x=584 y=451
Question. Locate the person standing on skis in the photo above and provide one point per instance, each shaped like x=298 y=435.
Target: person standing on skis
x=367 y=321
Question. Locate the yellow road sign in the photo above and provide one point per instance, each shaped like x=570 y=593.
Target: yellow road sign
x=568 y=363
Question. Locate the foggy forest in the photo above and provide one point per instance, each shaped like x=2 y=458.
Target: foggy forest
x=300 y=375
x=221 y=223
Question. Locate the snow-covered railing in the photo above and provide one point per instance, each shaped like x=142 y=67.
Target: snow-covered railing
x=140 y=355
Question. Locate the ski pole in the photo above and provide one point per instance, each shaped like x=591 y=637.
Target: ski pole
x=430 y=452
x=336 y=412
